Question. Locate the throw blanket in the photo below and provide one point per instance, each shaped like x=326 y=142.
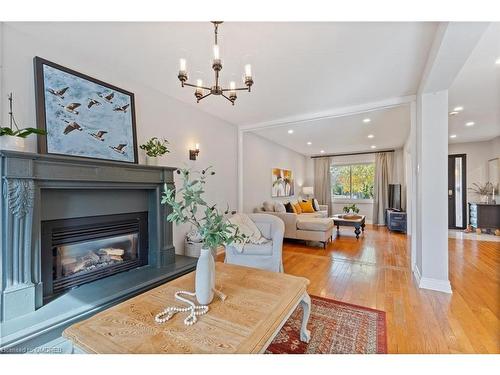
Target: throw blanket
x=247 y=227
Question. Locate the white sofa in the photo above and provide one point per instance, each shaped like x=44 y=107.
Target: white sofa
x=315 y=226
x=266 y=256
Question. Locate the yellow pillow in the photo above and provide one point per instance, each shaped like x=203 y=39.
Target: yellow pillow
x=297 y=208
x=306 y=207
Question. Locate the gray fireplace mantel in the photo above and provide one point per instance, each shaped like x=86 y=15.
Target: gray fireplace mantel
x=28 y=180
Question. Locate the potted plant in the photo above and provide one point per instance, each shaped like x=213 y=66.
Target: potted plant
x=213 y=227
x=351 y=211
x=483 y=190
x=12 y=137
x=154 y=148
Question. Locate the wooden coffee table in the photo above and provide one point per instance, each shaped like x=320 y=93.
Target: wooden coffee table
x=357 y=223
x=258 y=304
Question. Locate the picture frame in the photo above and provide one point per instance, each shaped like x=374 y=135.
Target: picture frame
x=83 y=116
x=282 y=183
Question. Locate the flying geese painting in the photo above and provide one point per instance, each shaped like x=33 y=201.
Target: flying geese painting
x=70 y=103
x=58 y=93
x=92 y=102
x=71 y=107
x=99 y=135
x=119 y=148
x=108 y=98
x=71 y=126
x=121 y=109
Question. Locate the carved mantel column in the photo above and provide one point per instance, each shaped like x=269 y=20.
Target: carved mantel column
x=17 y=221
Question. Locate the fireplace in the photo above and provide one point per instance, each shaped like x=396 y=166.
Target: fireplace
x=80 y=250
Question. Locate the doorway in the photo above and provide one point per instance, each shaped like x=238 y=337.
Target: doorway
x=457 y=191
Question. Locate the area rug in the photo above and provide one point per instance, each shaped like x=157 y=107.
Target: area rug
x=336 y=328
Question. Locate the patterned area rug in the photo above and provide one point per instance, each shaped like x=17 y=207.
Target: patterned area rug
x=336 y=328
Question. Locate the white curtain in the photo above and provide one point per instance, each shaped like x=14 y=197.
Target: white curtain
x=384 y=167
x=323 y=182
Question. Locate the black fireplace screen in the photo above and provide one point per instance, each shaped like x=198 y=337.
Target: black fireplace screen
x=77 y=251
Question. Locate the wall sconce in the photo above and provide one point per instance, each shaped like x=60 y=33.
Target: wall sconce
x=193 y=154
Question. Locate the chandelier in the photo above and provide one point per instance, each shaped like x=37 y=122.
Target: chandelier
x=201 y=92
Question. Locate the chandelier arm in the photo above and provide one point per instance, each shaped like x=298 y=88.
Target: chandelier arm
x=237 y=89
x=227 y=98
x=196 y=86
x=204 y=96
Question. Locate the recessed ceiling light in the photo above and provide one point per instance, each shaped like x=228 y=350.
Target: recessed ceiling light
x=322 y=151
x=458 y=109
x=470 y=123
x=453 y=136
x=497 y=61
x=373 y=146
x=453 y=113
x=290 y=131
x=371 y=136
x=309 y=143
x=366 y=120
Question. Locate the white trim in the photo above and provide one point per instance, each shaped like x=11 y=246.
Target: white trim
x=416 y=274
x=432 y=284
x=435 y=284
x=335 y=112
x=240 y=170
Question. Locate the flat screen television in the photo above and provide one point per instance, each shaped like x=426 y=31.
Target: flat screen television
x=395 y=196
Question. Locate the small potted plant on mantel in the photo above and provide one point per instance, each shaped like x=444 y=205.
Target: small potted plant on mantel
x=12 y=137
x=351 y=212
x=213 y=227
x=154 y=148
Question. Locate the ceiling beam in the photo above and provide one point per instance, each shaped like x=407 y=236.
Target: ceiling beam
x=331 y=113
x=452 y=46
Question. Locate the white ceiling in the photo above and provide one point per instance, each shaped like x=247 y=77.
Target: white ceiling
x=298 y=67
x=390 y=128
x=477 y=89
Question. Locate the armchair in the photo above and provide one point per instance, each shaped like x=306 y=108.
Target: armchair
x=266 y=256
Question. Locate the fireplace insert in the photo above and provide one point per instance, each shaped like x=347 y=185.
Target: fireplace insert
x=80 y=250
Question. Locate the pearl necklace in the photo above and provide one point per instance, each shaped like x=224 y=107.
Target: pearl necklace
x=194 y=310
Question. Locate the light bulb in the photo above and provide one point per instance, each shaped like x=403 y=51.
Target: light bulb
x=197 y=146
x=216 y=52
x=182 y=65
x=248 y=70
x=199 y=83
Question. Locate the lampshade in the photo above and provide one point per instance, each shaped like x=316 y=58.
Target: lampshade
x=308 y=190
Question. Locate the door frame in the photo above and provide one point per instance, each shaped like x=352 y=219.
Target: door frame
x=464 y=184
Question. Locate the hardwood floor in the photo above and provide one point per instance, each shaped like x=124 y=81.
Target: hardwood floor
x=375 y=272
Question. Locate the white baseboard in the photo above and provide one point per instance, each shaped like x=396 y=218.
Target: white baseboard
x=431 y=284
x=435 y=284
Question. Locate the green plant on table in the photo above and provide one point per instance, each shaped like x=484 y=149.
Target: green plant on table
x=13 y=130
x=352 y=208
x=214 y=228
x=155 y=147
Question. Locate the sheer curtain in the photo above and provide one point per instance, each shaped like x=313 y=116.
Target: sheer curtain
x=323 y=182
x=384 y=166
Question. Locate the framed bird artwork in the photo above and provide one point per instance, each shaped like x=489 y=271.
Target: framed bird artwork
x=83 y=116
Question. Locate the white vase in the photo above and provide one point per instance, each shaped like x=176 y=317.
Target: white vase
x=151 y=160
x=8 y=142
x=205 y=277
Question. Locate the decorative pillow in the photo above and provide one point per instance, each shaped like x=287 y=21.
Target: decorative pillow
x=296 y=208
x=279 y=207
x=289 y=207
x=268 y=206
x=315 y=204
x=306 y=207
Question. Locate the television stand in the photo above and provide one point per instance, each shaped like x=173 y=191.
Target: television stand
x=395 y=220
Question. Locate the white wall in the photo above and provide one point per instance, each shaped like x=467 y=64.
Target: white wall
x=157 y=114
x=478 y=154
x=259 y=157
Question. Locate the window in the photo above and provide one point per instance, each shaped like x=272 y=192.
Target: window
x=353 y=181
